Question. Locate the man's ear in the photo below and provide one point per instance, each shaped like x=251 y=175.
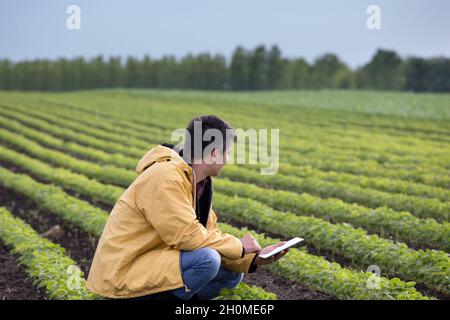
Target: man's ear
x=210 y=158
x=214 y=153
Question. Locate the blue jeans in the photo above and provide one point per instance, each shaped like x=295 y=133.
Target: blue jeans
x=203 y=275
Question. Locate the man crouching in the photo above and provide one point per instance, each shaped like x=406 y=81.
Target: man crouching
x=161 y=240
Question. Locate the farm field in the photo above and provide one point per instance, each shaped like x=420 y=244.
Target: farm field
x=364 y=178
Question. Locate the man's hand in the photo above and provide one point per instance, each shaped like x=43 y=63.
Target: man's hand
x=260 y=261
x=250 y=244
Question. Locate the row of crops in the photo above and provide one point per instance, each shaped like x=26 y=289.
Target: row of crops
x=361 y=190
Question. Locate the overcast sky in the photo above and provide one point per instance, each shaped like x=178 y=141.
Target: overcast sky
x=37 y=29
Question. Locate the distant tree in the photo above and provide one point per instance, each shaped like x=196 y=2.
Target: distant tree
x=100 y=72
x=296 y=74
x=417 y=74
x=275 y=68
x=167 y=73
x=383 y=72
x=76 y=73
x=134 y=77
x=6 y=78
x=239 y=70
x=203 y=71
x=115 y=74
x=258 y=69
x=215 y=71
x=329 y=72
x=439 y=74
x=55 y=75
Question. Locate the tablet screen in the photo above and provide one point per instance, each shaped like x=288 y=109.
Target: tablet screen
x=288 y=244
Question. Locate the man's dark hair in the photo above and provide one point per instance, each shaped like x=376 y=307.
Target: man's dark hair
x=209 y=122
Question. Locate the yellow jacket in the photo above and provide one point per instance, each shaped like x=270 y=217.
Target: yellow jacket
x=139 y=250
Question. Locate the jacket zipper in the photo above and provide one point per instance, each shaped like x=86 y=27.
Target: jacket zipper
x=194 y=187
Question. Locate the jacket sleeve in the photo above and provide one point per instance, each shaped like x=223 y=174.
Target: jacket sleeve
x=165 y=203
x=243 y=264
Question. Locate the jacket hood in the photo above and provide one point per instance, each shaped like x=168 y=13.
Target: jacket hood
x=161 y=153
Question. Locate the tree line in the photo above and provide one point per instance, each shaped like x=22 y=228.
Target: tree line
x=260 y=68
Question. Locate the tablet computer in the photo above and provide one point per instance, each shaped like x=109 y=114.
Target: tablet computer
x=288 y=244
